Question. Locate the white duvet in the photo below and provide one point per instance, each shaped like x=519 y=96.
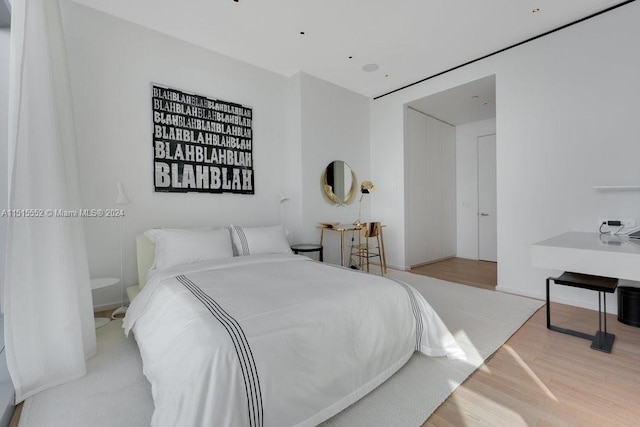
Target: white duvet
x=274 y=340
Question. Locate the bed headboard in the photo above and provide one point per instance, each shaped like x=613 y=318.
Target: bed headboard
x=146 y=253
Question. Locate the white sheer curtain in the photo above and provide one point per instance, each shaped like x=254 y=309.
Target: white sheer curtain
x=49 y=329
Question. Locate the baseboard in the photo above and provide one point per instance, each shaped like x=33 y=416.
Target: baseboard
x=611 y=307
x=392 y=266
x=397 y=267
x=432 y=261
x=521 y=293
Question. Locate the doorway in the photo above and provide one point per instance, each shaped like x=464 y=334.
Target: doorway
x=471 y=110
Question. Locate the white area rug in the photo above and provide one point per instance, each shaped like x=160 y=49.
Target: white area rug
x=115 y=392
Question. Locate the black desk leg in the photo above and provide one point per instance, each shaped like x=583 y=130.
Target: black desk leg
x=603 y=341
x=548 y=307
x=604 y=297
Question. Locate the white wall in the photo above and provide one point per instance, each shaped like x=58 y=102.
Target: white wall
x=300 y=125
x=334 y=126
x=4 y=135
x=292 y=188
x=566 y=120
x=467 y=184
x=112 y=65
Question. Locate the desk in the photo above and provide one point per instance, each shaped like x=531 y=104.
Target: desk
x=342 y=228
x=591 y=254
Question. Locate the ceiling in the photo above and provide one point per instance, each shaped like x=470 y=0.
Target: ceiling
x=463 y=104
x=408 y=39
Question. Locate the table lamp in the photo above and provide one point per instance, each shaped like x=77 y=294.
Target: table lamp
x=366 y=187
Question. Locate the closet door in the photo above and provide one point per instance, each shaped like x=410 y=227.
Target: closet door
x=449 y=219
x=416 y=154
x=430 y=189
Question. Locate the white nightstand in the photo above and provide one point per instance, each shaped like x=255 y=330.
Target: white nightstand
x=98 y=283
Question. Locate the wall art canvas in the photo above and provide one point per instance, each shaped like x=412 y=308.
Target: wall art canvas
x=201 y=144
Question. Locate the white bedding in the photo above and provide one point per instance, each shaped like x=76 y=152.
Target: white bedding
x=274 y=340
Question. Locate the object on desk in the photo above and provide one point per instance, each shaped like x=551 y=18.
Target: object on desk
x=602 y=340
x=634 y=235
x=364 y=250
x=308 y=247
x=608 y=239
x=366 y=187
x=329 y=224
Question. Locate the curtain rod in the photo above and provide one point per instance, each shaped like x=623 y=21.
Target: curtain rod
x=593 y=15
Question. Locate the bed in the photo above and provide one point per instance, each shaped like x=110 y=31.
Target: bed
x=247 y=334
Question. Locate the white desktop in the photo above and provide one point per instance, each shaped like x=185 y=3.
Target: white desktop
x=607 y=255
x=634 y=234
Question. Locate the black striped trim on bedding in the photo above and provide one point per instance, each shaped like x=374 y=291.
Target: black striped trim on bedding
x=416 y=313
x=243 y=350
x=244 y=243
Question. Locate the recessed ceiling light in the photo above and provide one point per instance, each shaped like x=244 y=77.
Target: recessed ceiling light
x=302 y=33
x=370 y=67
x=350 y=57
x=536 y=10
x=387 y=75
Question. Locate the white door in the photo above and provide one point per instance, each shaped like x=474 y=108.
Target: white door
x=433 y=189
x=487 y=223
x=416 y=202
x=449 y=220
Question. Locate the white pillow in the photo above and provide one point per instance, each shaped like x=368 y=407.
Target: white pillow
x=175 y=246
x=259 y=240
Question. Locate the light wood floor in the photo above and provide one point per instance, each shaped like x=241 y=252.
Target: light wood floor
x=481 y=274
x=545 y=378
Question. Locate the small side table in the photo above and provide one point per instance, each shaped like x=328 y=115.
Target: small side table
x=98 y=283
x=308 y=247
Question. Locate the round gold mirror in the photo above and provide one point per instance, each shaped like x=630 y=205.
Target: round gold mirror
x=339 y=183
